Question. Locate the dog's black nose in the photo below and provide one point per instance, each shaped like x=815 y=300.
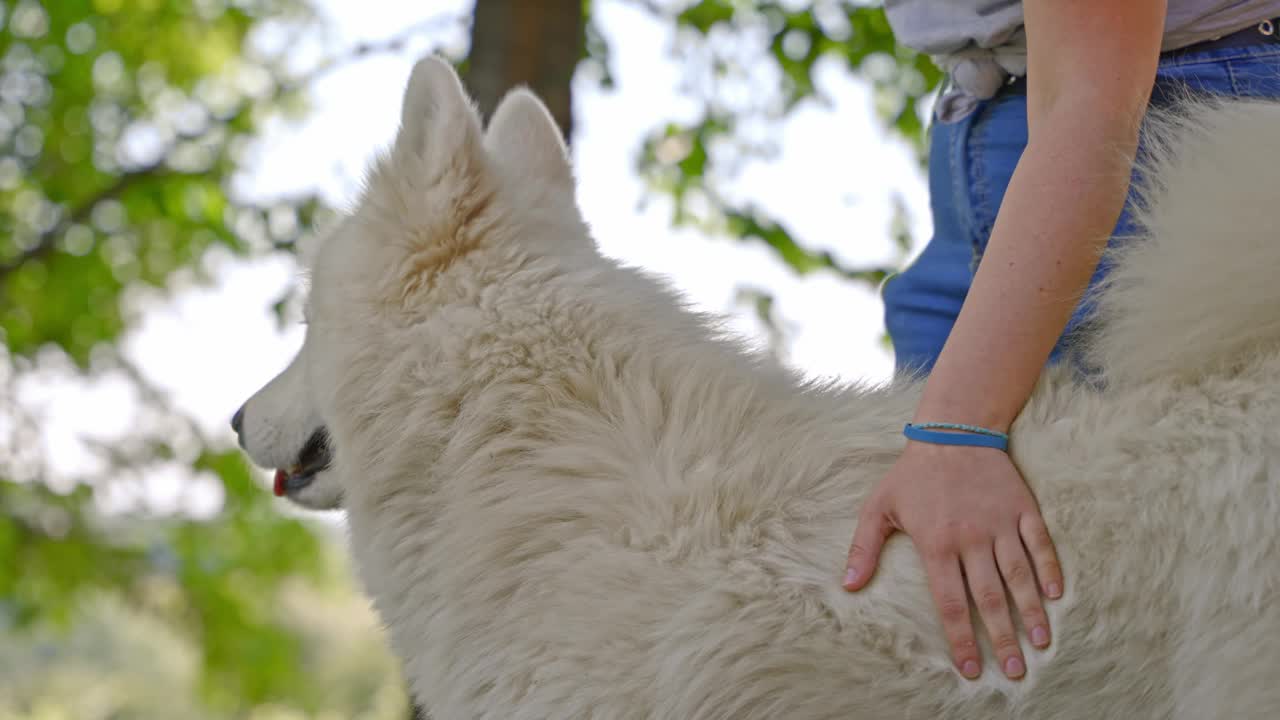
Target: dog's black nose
x=237 y=420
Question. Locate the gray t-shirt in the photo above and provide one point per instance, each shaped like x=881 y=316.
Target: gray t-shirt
x=981 y=43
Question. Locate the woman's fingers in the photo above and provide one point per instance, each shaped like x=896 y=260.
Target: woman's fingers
x=1015 y=568
x=868 y=539
x=947 y=585
x=988 y=589
x=1044 y=558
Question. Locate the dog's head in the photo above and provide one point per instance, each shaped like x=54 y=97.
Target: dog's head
x=446 y=192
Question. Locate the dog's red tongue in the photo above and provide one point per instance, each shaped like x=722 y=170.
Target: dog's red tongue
x=280 y=478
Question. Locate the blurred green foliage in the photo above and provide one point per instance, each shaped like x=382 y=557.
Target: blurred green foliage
x=121 y=125
x=726 y=42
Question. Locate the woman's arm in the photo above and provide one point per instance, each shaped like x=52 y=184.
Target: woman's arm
x=1091 y=67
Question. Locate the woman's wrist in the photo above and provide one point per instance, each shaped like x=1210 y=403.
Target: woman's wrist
x=944 y=402
x=976 y=416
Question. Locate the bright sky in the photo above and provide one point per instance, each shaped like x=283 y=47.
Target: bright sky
x=212 y=347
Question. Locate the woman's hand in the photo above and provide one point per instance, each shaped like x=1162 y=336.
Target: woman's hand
x=971 y=516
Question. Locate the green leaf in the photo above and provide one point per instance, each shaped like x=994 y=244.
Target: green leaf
x=705 y=14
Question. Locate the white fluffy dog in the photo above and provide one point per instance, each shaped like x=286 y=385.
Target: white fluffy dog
x=571 y=497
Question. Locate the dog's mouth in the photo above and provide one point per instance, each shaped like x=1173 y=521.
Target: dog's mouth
x=314 y=457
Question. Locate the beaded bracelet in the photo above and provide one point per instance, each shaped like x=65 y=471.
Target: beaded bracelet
x=970 y=435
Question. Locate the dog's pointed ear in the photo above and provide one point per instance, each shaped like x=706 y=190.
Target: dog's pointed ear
x=525 y=140
x=437 y=119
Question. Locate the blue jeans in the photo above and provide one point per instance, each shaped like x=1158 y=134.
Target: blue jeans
x=970 y=163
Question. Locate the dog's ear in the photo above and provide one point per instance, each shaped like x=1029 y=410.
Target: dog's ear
x=424 y=198
x=438 y=122
x=526 y=142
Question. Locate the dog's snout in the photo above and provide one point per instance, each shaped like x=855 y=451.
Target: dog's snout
x=237 y=420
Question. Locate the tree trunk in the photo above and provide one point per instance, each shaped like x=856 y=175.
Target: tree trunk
x=535 y=43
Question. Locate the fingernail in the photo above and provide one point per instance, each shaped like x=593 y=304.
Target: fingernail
x=850 y=576
x=1039 y=636
x=970 y=669
x=1013 y=667
x=1054 y=590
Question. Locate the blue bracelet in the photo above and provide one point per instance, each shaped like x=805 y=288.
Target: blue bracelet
x=970 y=435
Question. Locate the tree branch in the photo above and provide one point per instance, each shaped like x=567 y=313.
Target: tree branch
x=359 y=51
x=46 y=242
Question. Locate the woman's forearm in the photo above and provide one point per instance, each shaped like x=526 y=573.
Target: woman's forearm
x=1060 y=208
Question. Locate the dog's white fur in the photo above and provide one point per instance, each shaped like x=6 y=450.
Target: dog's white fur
x=571 y=497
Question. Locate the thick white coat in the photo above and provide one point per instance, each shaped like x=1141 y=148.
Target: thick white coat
x=571 y=497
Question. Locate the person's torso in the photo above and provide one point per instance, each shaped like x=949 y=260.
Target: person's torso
x=981 y=43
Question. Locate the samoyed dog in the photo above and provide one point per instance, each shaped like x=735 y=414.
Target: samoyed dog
x=569 y=496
